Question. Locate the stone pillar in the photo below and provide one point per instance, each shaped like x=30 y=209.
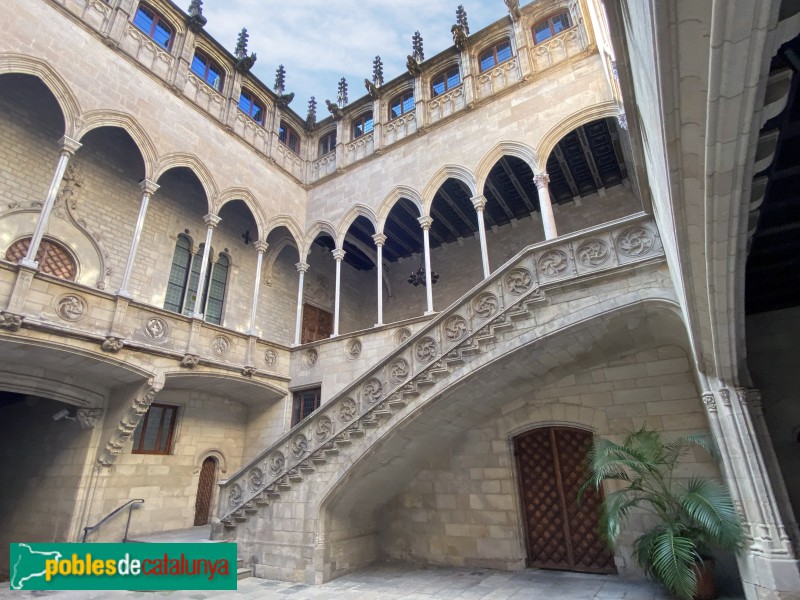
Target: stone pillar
x=148 y=189
x=211 y=221
x=768 y=564
x=467 y=78
x=338 y=255
x=68 y=148
x=479 y=202
x=548 y=221
x=380 y=240
x=377 y=126
x=302 y=267
x=426 y=223
x=260 y=247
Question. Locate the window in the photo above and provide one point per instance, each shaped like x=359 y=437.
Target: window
x=154 y=25
x=53 y=258
x=207 y=70
x=544 y=30
x=317 y=324
x=304 y=403
x=362 y=124
x=498 y=53
x=444 y=81
x=289 y=138
x=184 y=278
x=401 y=104
x=251 y=107
x=327 y=143
x=155 y=430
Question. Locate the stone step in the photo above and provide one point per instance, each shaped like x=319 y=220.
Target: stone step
x=243 y=573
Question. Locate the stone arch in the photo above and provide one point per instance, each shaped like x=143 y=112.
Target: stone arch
x=273 y=252
x=566 y=125
x=250 y=201
x=456 y=172
x=399 y=192
x=215 y=453
x=194 y=164
x=491 y=40
x=289 y=223
x=110 y=118
x=26 y=65
x=318 y=227
x=506 y=148
x=357 y=210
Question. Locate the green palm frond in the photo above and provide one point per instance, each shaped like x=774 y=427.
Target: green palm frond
x=674 y=449
x=710 y=505
x=670 y=558
x=615 y=512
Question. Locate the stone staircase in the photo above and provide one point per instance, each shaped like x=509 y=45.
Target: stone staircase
x=406 y=378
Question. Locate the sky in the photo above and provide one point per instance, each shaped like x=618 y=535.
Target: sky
x=320 y=41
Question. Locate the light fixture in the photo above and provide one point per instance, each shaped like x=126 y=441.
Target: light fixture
x=418 y=277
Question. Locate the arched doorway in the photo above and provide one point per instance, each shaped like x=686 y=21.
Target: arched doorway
x=560 y=532
x=205 y=491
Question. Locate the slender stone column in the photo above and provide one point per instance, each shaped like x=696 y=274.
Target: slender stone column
x=380 y=240
x=260 y=247
x=148 y=189
x=68 y=148
x=338 y=254
x=541 y=180
x=426 y=223
x=479 y=202
x=302 y=267
x=212 y=221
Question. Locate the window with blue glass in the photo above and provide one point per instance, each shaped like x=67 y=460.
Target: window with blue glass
x=327 y=143
x=154 y=26
x=495 y=55
x=207 y=70
x=444 y=81
x=401 y=104
x=250 y=106
x=362 y=124
x=289 y=138
x=547 y=28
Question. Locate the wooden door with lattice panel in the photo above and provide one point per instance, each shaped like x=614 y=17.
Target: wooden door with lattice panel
x=560 y=532
x=205 y=491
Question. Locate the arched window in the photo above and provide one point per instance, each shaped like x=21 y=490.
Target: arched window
x=216 y=290
x=207 y=70
x=156 y=27
x=179 y=275
x=184 y=278
x=401 y=104
x=444 y=81
x=495 y=55
x=53 y=258
x=289 y=138
x=362 y=124
x=251 y=106
x=327 y=143
x=547 y=28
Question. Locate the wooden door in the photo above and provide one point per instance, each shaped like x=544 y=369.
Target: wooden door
x=317 y=324
x=560 y=532
x=205 y=491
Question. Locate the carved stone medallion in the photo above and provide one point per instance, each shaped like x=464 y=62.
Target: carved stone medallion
x=255 y=479
x=323 y=428
x=485 y=305
x=235 y=496
x=156 y=329
x=372 y=391
x=593 y=253
x=271 y=358
x=71 y=307
x=299 y=446
x=635 y=241
x=398 y=372
x=402 y=334
x=553 y=263
x=221 y=346
x=518 y=281
x=310 y=358
x=426 y=349
x=347 y=410
x=276 y=463
x=352 y=349
x=455 y=328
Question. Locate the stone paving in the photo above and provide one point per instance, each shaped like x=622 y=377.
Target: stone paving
x=395 y=582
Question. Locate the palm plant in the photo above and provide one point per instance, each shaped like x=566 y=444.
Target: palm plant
x=690 y=516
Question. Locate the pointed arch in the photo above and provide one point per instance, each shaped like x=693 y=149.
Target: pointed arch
x=457 y=172
x=67 y=101
x=398 y=193
x=274 y=250
x=243 y=194
x=357 y=210
x=506 y=148
x=289 y=223
x=317 y=228
x=190 y=161
x=111 y=118
x=563 y=127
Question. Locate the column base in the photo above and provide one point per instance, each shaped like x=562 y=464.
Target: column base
x=428 y=313
x=125 y=294
x=378 y=325
x=29 y=264
x=770 y=578
x=198 y=316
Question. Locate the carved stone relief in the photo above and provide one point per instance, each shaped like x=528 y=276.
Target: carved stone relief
x=112 y=344
x=89 y=417
x=156 y=329
x=10 y=321
x=71 y=307
x=485 y=305
x=352 y=349
x=398 y=372
x=276 y=463
x=310 y=358
x=518 y=281
x=553 y=263
x=299 y=446
x=402 y=335
x=593 y=253
x=190 y=361
x=455 y=328
x=426 y=349
x=235 y=496
x=271 y=358
x=635 y=241
x=255 y=479
x=323 y=428
x=221 y=346
x=372 y=391
x=347 y=410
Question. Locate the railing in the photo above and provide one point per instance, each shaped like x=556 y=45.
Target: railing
x=584 y=253
x=129 y=504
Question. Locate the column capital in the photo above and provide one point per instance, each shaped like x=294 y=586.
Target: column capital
x=148 y=187
x=541 y=180
x=338 y=254
x=211 y=220
x=478 y=202
x=301 y=267
x=69 y=146
x=260 y=246
x=380 y=239
x=425 y=222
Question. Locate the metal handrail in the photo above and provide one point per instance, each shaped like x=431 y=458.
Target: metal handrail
x=129 y=504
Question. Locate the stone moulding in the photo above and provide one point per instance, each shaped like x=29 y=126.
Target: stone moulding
x=416 y=361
